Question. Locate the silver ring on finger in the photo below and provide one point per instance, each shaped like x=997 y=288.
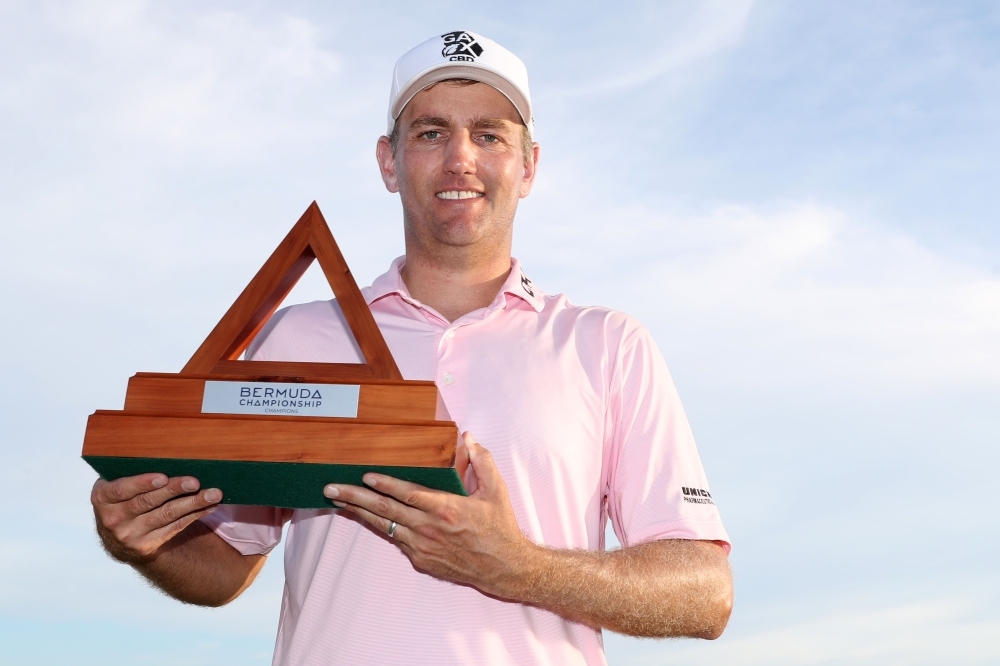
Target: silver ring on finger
x=392 y=529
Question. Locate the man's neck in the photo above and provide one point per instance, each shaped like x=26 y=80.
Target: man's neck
x=455 y=290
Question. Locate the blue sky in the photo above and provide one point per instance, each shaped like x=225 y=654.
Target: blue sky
x=794 y=197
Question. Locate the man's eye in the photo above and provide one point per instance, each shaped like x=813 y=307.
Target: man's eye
x=490 y=138
x=432 y=134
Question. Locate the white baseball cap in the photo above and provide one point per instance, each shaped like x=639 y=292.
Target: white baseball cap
x=460 y=55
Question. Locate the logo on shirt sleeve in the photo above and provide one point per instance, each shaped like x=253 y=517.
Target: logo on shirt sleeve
x=697 y=495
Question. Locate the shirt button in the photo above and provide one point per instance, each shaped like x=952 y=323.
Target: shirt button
x=450 y=333
x=448 y=379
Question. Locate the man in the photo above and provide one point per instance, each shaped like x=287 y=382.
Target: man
x=577 y=414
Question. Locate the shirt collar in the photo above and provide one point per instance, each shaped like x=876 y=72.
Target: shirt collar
x=517 y=284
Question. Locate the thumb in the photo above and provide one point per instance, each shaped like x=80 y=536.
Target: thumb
x=489 y=481
x=465 y=471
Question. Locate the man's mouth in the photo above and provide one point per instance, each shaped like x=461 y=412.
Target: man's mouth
x=458 y=194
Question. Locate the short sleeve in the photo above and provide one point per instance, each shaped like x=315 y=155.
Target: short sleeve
x=657 y=488
x=252 y=530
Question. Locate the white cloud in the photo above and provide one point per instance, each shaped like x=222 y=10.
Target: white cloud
x=711 y=27
x=799 y=294
x=213 y=82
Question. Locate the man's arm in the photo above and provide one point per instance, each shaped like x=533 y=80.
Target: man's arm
x=151 y=523
x=663 y=588
x=660 y=589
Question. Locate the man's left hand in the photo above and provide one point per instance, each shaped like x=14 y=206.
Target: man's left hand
x=474 y=540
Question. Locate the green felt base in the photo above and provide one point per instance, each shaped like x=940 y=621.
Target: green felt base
x=291 y=485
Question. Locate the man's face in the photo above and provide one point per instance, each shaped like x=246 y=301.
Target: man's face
x=459 y=167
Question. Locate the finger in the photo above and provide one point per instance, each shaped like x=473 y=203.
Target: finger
x=176 y=487
x=164 y=534
x=176 y=509
x=379 y=523
x=386 y=507
x=125 y=488
x=409 y=493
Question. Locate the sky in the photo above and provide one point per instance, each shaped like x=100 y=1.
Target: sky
x=793 y=197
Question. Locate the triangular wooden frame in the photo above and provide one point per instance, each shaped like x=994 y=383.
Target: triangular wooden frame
x=309 y=239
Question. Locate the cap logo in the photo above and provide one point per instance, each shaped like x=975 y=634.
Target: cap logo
x=460 y=46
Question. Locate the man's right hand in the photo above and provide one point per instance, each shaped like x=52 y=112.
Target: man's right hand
x=136 y=515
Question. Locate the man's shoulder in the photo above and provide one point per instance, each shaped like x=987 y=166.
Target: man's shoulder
x=615 y=326
x=559 y=305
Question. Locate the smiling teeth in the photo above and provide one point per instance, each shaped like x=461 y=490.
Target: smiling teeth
x=452 y=194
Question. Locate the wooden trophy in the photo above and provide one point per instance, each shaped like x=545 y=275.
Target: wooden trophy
x=274 y=433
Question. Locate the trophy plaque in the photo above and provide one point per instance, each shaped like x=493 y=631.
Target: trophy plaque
x=274 y=433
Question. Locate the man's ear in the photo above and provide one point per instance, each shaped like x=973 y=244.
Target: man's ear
x=387 y=164
x=530 y=170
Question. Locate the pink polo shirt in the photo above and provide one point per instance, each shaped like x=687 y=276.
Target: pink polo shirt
x=583 y=421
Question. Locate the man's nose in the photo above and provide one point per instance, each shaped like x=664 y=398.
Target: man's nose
x=460 y=154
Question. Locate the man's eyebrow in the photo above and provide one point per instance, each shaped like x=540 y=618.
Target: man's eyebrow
x=477 y=123
x=430 y=121
x=491 y=123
